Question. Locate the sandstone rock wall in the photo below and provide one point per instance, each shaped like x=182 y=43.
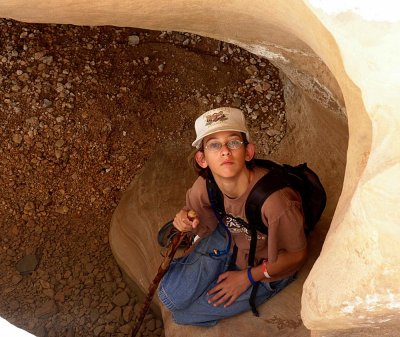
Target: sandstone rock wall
x=354 y=281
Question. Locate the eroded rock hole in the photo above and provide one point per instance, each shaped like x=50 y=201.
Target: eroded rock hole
x=82 y=109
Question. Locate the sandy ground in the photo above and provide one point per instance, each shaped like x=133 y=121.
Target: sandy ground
x=81 y=110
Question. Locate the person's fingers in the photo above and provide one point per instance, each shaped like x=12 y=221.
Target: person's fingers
x=216 y=297
x=181 y=221
x=222 y=277
x=214 y=290
x=223 y=299
x=230 y=301
x=219 y=286
x=195 y=223
x=177 y=224
x=186 y=225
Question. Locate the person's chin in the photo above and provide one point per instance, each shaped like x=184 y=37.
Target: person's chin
x=228 y=172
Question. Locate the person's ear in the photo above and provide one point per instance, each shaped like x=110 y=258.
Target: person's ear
x=200 y=159
x=250 y=151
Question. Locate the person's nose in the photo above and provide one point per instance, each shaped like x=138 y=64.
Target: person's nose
x=225 y=150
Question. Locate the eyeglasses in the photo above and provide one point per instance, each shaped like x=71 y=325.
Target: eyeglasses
x=233 y=144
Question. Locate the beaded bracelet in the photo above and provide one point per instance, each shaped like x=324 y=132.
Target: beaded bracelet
x=250 y=277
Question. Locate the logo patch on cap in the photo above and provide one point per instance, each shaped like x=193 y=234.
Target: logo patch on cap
x=216 y=117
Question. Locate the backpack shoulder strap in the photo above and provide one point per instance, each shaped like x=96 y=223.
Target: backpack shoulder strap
x=215 y=196
x=274 y=180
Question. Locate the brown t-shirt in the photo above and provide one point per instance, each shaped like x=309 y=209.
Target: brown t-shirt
x=282 y=211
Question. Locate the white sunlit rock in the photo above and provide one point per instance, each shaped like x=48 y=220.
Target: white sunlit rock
x=7 y=329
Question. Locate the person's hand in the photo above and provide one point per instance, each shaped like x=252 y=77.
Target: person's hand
x=230 y=285
x=184 y=222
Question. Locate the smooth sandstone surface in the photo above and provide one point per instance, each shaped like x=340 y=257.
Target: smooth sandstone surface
x=343 y=63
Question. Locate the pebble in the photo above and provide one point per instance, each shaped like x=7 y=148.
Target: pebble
x=266 y=86
x=47 y=103
x=133 y=40
x=15 y=88
x=29 y=207
x=46 y=310
x=109 y=287
x=179 y=37
x=98 y=330
x=94 y=315
x=59 y=143
x=38 y=55
x=237 y=102
x=137 y=308
x=252 y=70
x=89 y=267
x=258 y=88
x=59 y=296
x=44 y=284
x=14 y=305
x=125 y=328
x=151 y=325
x=17 y=138
x=48 y=293
x=273 y=133
x=161 y=67
x=27 y=264
x=127 y=313
x=121 y=299
x=62 y=209
x=109 y=328
x=16 y=279
x=47 y=60
x=114 y=315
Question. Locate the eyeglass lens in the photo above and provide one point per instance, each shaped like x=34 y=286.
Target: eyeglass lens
x=231 y=144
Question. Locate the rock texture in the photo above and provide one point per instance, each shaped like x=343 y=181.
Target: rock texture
x=305 y=39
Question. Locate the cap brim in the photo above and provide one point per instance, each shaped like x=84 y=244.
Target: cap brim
x=198 y=141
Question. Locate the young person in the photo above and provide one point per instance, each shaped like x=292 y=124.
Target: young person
x=202 y=287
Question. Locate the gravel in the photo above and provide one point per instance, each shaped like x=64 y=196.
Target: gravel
x=81 y=109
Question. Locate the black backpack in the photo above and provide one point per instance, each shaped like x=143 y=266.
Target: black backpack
x=301 y=178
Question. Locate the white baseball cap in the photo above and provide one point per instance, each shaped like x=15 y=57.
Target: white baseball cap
x=220 y=119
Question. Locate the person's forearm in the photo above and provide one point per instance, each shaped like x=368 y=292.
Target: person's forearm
x=286 y=264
